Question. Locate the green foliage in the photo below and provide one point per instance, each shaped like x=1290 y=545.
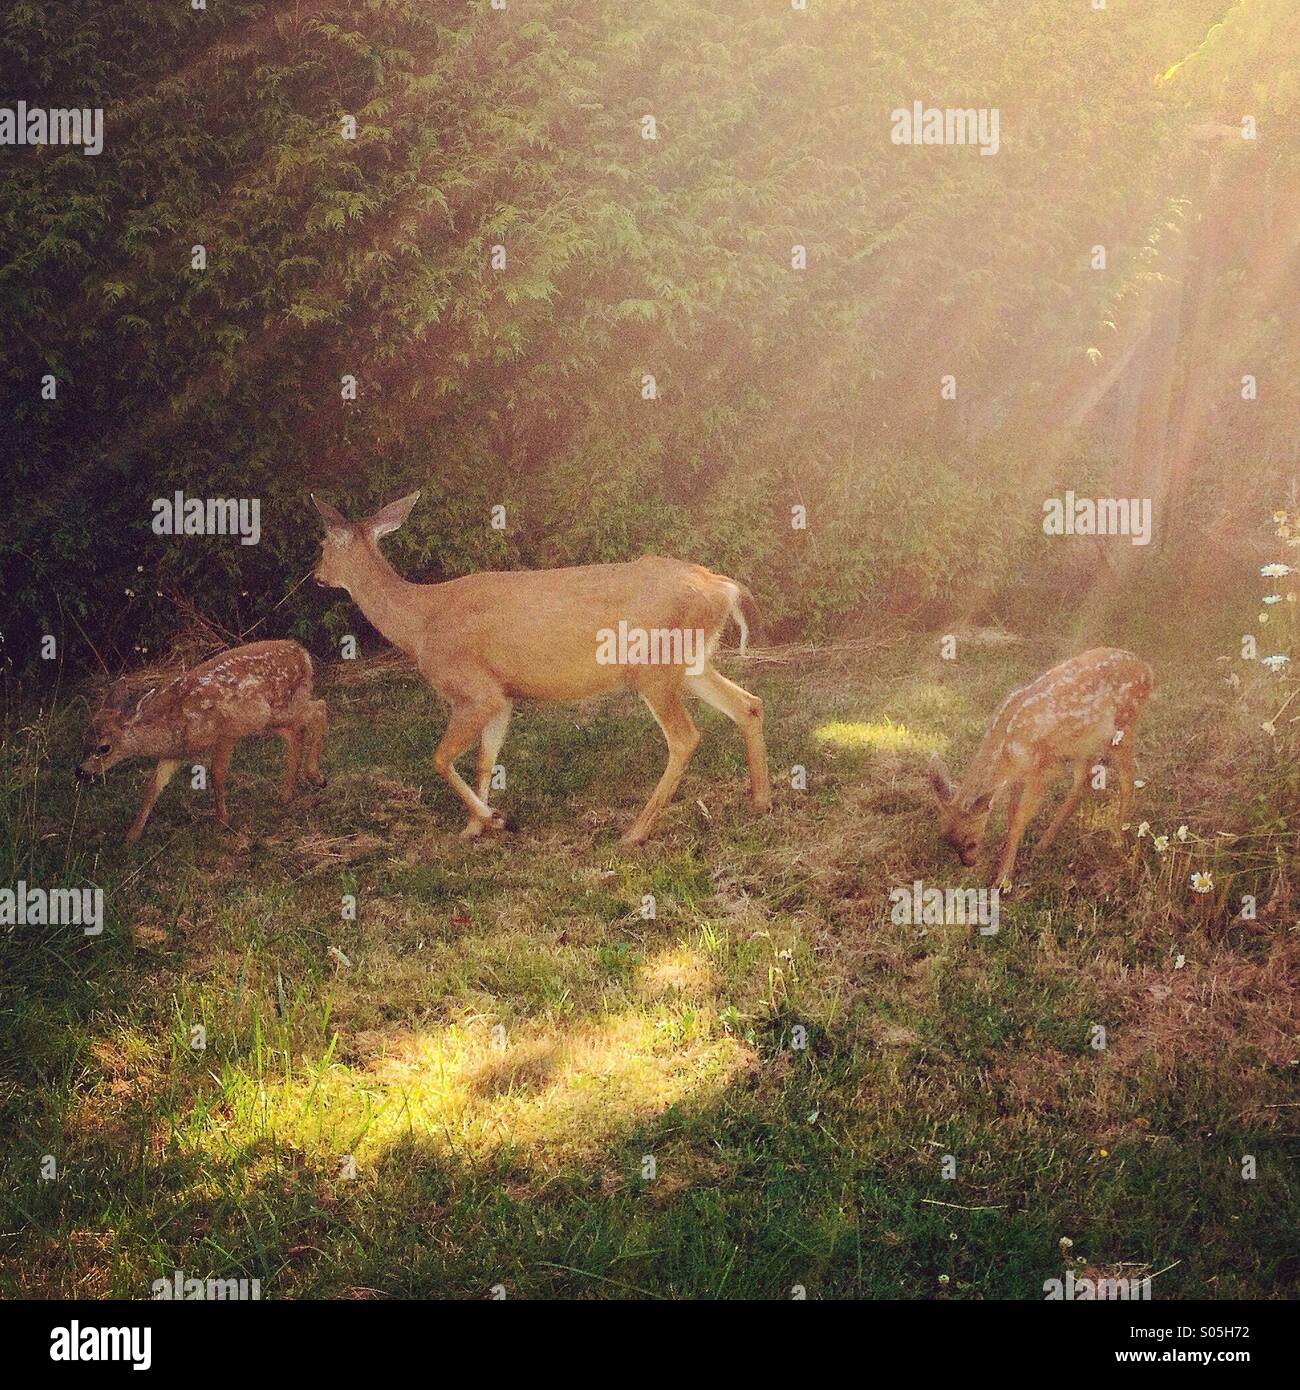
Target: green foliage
x=522 y=385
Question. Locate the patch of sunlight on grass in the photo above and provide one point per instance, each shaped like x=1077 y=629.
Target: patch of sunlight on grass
x=878 y=736
x=550 y=1094
x=678 y=971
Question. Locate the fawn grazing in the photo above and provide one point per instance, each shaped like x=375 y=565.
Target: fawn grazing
x=1070 y=714
x=487 y=640
x=264 y=687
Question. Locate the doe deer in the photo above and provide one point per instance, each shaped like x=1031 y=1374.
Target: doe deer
x=263 y=687
x=484 y=641
x=1070 y=714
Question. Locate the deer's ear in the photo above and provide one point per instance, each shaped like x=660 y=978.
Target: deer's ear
x=331 y=516
x=140 y=704
x=981 y=803
x=940 y=782
x=389 y=518
x=117 y=698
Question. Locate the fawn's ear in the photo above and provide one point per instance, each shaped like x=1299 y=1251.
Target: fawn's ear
x=333 y=518
x=389 y=518
x=117 y=698
x=140 y=704
x=940 y=782
x=980 y=804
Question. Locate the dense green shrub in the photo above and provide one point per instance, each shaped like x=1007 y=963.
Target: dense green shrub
x=522 y=386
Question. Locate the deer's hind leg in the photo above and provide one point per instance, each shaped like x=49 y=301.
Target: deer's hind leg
x=683 y=738
x=1126 y=766
x=746 y=712
x=292 y=737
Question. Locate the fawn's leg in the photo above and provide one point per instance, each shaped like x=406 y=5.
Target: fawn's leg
x=1072 y=800
x=314 y=731
x=683 y=738
x=746 y=712
x=489 y=745
x=162 y=774
x=220 y=766
x=292 y=753
x=1126 y=767
x=466 y=724
x=1022 y=813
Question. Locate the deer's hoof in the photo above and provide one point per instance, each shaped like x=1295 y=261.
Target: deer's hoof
x=318 y=779
x=132 y=836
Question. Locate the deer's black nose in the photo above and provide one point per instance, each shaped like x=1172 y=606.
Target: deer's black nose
x=82 y=774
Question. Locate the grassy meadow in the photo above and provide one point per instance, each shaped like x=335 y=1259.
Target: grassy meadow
x=463 y=1090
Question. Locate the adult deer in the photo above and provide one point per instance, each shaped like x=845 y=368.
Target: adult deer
x=487 y=640
x=1072 y=714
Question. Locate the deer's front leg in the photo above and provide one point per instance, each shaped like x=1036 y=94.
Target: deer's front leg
x=1022 y=812
x=1067 y=807
x=314 y=732
x=221 y=766
x=162 y=774
x=489 y=745
x=466 y=724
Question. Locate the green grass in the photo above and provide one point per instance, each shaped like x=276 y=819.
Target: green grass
x=511 y=1038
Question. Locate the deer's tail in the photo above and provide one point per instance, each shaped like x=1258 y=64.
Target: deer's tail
x=744 y=612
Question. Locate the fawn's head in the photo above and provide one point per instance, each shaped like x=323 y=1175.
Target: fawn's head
x=961 y=819
x=111 y=735
x=346 y=541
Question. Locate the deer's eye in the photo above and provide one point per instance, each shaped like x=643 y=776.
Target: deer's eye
x=103 y=748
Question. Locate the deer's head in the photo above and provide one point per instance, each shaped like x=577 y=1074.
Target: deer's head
x=346 y=542
x=113 y=733
x=962 y=820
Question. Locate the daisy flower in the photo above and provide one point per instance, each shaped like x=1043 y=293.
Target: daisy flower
x=1276 y=571
x=1202 y=883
